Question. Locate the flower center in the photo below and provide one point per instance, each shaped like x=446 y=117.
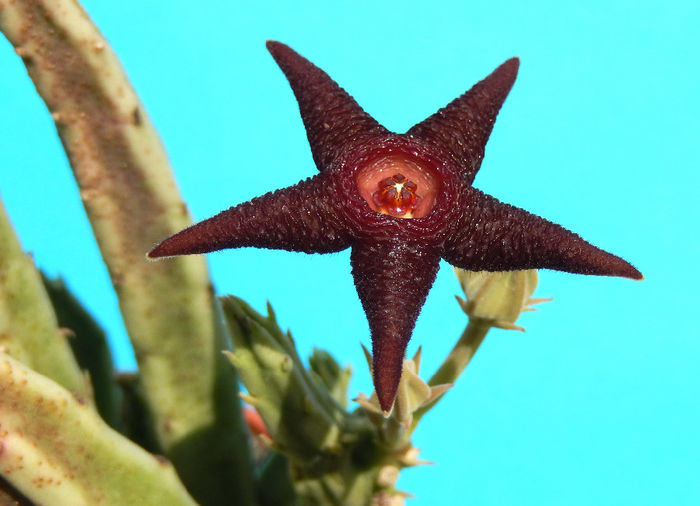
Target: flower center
x=396 y=196
x=398 y=186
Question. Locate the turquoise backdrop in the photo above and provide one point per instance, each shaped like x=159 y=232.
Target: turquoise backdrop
x=598 y=403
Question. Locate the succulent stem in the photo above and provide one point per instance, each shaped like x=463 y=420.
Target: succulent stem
x=456 y=361
x=56 y=450
x=494 y=299
x=461 y=354
x=29 y=331
x=168 y=307
x=89 y=345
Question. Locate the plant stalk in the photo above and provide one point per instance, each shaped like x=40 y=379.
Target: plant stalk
x=457 y=360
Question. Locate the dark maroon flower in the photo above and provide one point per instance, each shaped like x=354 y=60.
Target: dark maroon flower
x=401 y=202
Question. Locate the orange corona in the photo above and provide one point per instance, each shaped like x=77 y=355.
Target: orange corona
x=397 y=196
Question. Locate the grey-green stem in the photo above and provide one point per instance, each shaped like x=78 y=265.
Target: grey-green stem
x=457 y=360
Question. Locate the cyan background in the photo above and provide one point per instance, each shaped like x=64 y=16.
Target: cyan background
x=598 y=402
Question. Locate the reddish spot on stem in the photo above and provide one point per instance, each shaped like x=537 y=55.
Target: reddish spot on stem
x=255 y=421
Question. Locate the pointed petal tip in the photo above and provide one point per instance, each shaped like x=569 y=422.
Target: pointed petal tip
x=510 y=66
x=631 y=272
x=598 y=262
x=624 y=269
x=278 y=49
x=636 y=275
x=272 y=45
x=155 y=254
x=151 y=257
x=386 y=401
x=160 y=252
x=182 y=243
x=387 y=367
x=386 y=384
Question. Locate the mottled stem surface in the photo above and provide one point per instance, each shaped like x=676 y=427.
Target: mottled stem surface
x=132 y=202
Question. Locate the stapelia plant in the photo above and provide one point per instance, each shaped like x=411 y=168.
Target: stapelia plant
x=74 y=432
x=401 y=202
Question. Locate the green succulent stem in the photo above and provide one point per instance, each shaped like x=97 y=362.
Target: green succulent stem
x=89 y=344
x=462 y=352
x=332 y=457
x=494 y=299
x=29 y=331
x=57 y=450
x=457 y=360
x=132 y=202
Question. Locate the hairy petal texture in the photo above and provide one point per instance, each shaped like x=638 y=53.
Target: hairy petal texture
x=392 y=280
x=332 y=117
x=493 y=236
x=462 y=128
x=304 y=217
x=394 y=259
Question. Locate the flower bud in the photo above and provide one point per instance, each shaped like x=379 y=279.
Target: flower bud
x=413 y=394
x=498 y=298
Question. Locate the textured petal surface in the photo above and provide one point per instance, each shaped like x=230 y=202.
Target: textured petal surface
x=462 y=128
x=304 y=217
x=493 y=236
x=332 y=118
x=392 y=280
x=395 y=258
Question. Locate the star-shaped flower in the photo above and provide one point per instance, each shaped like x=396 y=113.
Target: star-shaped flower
x=401 y=202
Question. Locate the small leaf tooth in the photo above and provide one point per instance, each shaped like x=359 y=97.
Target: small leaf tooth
x=368 y=356
x=418 y=462
x=253 y=401
x=289 y=336
x=417 y=357
x=463 y=303
x=233 y=357
x=506 y=326
x=271 y=313
x=438 y=391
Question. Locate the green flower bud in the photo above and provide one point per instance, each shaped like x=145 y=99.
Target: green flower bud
x=498 y=298
x=413 y=394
